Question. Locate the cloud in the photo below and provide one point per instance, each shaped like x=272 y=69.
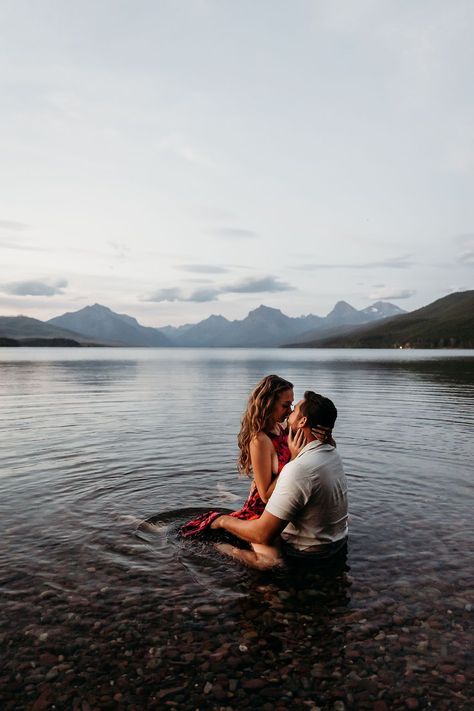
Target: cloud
x=233 y=233
x=182 y=147
x=466 y=244
x=390 y=263
x=13 y=226
x=203 y=295
x=203 y=268
x=34 y=288
x=198 y=280
x=268 y=284
x=256 y=286
x=14 y=244
x=8 y=244
x=385 y=293
x=175 y=294
x=454 y=289
x=215 y=214
x=120 y=249
x=171 y=294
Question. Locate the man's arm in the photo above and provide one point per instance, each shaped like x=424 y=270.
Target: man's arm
x=260 y=530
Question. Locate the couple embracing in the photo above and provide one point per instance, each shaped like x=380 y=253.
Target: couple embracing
x=297 y=504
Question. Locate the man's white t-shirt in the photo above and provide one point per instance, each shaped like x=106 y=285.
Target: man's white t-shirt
x=311 y=493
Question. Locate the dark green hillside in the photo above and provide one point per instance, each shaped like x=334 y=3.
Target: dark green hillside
x=36 y=342
x=25 y=331
x=8 y=342
x=446 y=323
x=20 y=327
x=50 y=342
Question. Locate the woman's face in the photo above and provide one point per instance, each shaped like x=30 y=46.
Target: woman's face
x=283 y=405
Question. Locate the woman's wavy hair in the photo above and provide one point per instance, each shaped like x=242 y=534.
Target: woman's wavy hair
x=257 y=416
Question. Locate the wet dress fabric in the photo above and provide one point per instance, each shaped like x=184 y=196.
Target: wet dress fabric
x=254 y=506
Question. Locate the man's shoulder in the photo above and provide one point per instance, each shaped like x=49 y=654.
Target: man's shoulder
x=317 y=452
x=318 y=458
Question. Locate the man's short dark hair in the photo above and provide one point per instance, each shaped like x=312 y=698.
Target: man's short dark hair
x=318 y=410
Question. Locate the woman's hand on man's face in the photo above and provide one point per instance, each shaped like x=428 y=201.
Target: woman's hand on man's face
x=296 y=442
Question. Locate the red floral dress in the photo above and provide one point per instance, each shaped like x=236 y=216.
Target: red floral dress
x=254 y=506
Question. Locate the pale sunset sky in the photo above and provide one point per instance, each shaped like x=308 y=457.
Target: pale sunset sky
x=176 y=158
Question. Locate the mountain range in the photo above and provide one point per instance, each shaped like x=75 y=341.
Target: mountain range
x=262 y=327
x=269 y=327
x=447 y=322
x=102 y=324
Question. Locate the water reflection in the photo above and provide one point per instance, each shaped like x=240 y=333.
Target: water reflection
x=94 y=373
x=91 y=444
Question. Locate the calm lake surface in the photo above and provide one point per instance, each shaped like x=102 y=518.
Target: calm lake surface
x=98 y=613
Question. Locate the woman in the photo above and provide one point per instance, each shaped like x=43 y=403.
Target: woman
x=264 y=449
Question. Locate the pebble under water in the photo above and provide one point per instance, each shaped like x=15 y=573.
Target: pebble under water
x=101 y=610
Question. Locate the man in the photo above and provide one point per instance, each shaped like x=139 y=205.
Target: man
x=307 y=512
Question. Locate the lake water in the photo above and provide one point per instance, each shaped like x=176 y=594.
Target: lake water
x=98 y=613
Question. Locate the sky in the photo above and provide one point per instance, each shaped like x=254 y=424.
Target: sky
x=173 y=159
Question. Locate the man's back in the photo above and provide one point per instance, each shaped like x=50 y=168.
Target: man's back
x=311 y=493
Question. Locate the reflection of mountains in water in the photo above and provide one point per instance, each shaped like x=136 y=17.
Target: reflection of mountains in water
x=449 y=370
x=89 y=373
x=93 y=373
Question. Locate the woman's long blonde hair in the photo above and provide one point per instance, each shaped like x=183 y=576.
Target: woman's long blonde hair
x=257 y=417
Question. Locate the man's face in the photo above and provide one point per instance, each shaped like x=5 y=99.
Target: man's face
x=294 y=420
x=283 y=405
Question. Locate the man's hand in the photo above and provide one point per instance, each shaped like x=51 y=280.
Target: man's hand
x=265 y=529
x=217 y=523
x=296 y=442
x=324 y=434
